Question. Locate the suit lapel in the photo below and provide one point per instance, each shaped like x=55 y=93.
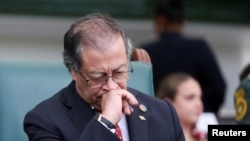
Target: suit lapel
x=138 y=124
x=79 y=112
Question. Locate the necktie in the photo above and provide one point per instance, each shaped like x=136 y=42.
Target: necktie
x=118 y=132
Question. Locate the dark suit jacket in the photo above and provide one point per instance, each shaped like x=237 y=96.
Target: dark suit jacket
x=174 y=52
x=67 y=117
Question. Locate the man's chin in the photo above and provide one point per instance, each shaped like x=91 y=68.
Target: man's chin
x=97 y=104
x=97 y=107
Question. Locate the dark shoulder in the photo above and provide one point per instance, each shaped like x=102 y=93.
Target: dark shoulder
x=51 y=102
x=150 y=46
x=195 y=41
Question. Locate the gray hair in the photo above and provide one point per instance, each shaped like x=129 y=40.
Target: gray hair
x=93 y=30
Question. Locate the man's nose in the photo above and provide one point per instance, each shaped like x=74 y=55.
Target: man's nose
x=110 y=83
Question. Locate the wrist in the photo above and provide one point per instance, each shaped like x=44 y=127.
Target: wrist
x=104 y=121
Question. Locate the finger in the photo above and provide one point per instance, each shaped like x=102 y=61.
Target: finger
x=130 y=98
x=127 y=109
x=145 y=59
x=146 y=56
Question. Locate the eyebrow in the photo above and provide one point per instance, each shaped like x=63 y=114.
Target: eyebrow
x=99 y=72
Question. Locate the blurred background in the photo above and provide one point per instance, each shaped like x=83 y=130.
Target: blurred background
x=34 y=29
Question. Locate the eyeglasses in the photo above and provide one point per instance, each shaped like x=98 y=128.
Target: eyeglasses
x=118 y=77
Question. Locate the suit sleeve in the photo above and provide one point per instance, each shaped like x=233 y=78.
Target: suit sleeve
x=95 y=131
x=39 y=128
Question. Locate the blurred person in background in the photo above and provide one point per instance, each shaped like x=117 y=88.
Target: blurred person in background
x=242 y=97
x=185 y=93
x=174 y=52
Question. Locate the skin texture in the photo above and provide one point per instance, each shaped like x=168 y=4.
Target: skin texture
x=188 y=101
x=98 y=62
x=188 y=105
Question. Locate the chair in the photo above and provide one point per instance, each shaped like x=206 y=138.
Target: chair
x=142 y=77
x=24 y=84
x=141 y=58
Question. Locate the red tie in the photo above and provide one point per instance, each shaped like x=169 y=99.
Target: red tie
x=118 y=132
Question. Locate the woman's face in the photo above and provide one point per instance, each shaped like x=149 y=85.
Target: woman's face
x=188 y=102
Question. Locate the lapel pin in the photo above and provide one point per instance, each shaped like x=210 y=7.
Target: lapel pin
x=142 y=108
x=142 y=117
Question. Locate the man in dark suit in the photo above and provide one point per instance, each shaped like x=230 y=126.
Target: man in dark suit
x=173 y=52
x=97 y=101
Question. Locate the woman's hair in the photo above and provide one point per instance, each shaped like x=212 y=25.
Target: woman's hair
x=94 y=30
x=168 y=87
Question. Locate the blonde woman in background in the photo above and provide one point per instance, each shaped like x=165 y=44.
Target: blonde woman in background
x=185 y=94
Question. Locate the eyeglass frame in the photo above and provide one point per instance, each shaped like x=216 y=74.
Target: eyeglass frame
x=131 y=70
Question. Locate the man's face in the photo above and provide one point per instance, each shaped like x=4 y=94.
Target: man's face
x=100 y=63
